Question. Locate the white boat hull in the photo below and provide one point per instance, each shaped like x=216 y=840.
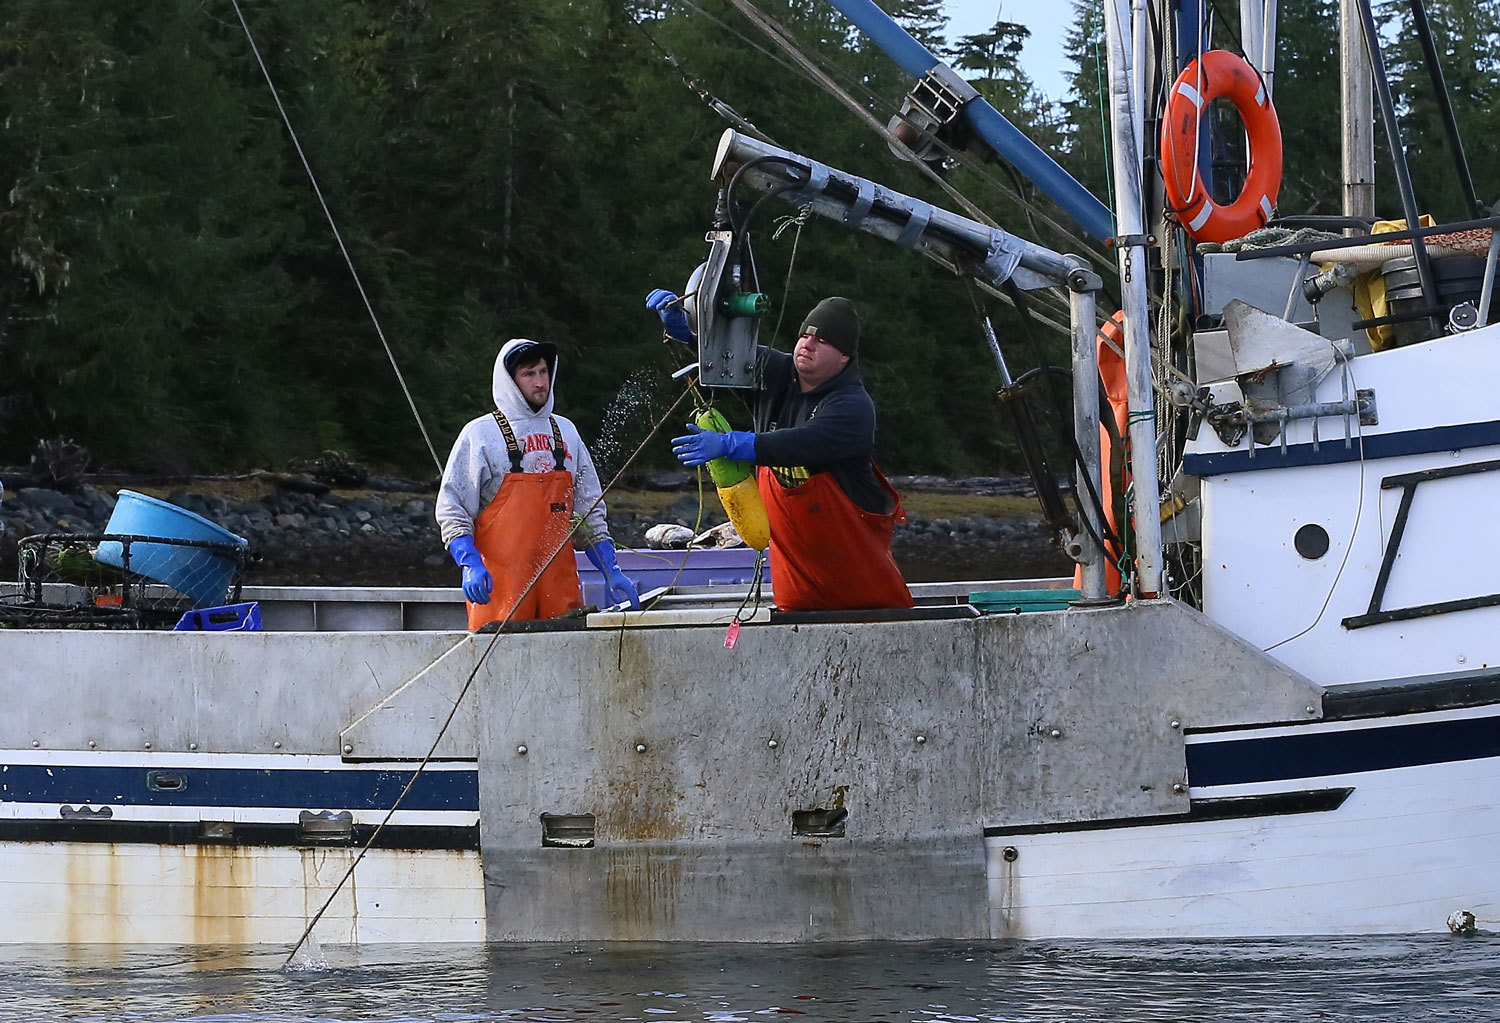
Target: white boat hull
x=133 y=893
x=1407 y=848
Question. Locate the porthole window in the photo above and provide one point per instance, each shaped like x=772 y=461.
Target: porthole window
x=1311 y=541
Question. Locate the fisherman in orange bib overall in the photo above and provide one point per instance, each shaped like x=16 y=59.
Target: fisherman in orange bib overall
x=831 y=510
x=505 y=505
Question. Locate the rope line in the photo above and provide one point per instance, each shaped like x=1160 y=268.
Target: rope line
x=800 y=219
x=348 y=260
x=783 y=38
x=969 y=161
x=469 y=682
x=696 y=86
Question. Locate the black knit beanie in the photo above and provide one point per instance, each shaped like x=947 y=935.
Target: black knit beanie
x=835 y=321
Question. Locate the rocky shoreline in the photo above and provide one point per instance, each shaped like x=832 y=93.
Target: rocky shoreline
x=388 y=537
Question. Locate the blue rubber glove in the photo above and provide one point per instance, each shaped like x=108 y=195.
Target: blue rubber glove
x=702 y=446
x=673 y=317
x=477 y=581
x=602 y=556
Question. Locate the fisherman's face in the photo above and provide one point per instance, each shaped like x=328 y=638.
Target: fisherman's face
x=535 y=381
x=816 y=361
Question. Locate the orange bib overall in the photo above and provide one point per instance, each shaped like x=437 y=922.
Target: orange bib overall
x=827 y=553
x=524 y=535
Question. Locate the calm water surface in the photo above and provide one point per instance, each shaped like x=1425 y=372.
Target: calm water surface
x=1417 y=978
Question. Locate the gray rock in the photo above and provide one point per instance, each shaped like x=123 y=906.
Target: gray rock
x=38 y=499
x=673 y=479
x=192 y=503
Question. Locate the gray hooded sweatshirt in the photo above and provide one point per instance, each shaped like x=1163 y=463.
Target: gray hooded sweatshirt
x=479 y=461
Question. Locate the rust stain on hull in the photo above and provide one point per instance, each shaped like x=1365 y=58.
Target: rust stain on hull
x=222 y=882
x=643 y=888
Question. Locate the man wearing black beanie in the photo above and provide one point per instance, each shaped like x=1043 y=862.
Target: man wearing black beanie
x=831 y=510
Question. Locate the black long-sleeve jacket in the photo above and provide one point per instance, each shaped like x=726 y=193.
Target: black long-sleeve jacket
x=828 y=429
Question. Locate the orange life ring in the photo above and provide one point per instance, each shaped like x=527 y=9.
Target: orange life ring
x=1223 y=75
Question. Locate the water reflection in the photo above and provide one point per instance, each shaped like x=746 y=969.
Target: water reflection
x=1426 y=977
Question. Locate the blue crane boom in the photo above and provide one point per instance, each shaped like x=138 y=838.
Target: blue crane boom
x=987 y=122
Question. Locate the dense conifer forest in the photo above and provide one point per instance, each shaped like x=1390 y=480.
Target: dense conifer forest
x=173 y=299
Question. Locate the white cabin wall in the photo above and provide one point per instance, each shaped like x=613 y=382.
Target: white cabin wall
x=1258 y=586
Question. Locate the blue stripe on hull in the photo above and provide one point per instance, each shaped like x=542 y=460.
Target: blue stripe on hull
x=1332 y=452
x=239 y=787
x=1322 y=754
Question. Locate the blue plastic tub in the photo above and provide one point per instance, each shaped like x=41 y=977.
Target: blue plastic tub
x=196 y=572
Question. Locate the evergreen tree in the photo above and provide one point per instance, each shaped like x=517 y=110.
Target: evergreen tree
x=1085 y=139
x=1468 y=43
x=1306 y=99
x=172 y=296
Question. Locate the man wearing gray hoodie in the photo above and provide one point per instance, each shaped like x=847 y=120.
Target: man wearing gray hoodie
x=505 y=505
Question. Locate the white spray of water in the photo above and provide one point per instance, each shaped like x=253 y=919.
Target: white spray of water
x=308 y=959
x=630 y=413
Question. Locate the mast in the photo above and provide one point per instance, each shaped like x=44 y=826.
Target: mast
x=1258 y=37
x=1130 y=246
x=1357 y=111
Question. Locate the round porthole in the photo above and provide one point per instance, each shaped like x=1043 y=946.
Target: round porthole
x=1311 y=541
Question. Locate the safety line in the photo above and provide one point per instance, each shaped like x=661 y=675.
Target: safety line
x=468 y=682
x=348 y=260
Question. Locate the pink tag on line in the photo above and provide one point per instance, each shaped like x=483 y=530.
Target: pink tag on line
x=732 y=635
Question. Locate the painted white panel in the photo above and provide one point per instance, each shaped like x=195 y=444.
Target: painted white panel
x=1407 y=848
x=1258 y=586
x=1451 y=547
x=203 y=894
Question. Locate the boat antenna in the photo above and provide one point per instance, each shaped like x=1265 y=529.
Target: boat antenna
x=348 y=260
